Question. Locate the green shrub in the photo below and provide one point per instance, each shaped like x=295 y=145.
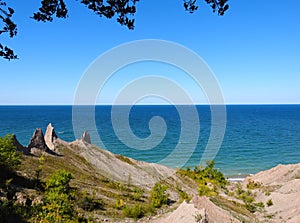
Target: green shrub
x=250 y=207
x=59 y=182
x=239 y=190
x=269 y=203
x=253 y=207
x=204 y=176
x=260 y=205
x=137 y=193
x=158 y=196
x=215 y=176
x=119 y=203
x=136 y=211
x=183 y=195
x=9 y=156
x=59 y=201
x=204 y=190
x=253 y=185
x=247 y=197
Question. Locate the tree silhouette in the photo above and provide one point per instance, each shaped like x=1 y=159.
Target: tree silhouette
x=8 y=27
x=122 y=10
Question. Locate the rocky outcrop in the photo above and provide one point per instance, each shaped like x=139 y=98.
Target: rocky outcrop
x=37 y=144
x=86 y=137
x=50 y=137
x=37 y=140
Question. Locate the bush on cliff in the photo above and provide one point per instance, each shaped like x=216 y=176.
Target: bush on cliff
x=159 y=196
x=9 y=156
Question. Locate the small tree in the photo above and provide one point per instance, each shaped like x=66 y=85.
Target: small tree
x=9 y=156
x=38 y=171
x=159 y=197
x=59 y=202
x=9 y=160
x=136 y=211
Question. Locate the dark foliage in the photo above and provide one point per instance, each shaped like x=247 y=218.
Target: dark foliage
x=219 y=6
x=123 y=9
x=9 y=156
x=9 y=213
x=8 y=27
x=50 y=8
x=88 y=203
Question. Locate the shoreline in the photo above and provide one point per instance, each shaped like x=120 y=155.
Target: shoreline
x=236 y=179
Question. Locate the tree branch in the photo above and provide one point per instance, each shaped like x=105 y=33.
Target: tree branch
x=122 y=10
x=8 y=27
x=219 y=6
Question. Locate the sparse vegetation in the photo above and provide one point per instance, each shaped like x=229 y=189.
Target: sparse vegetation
x=59 y=200
x=269 y=216
x=269 y=202
x=248 y=197
x=77 y=193
x=183 y=195
x=39 y=170
x=10 y=159
x=267 y=193
x=124 y=159
x=136 y=211
x=253 y=185
x=159 y=196
x=198 y=217
x=237 y=209
x=119 y=203
x=209 y=179
x=137 y=193
x=88 y=202
x=9 y=156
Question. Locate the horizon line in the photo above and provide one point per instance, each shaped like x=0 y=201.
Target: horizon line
x=147 y=104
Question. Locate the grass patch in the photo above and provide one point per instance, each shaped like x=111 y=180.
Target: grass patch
x=253 y=185
x=269 y=216
x=238 y=210
x=267 y=193
x=248 y=197
x=124 y=159
x=136 y=211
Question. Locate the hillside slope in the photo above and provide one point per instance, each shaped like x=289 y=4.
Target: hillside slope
x=106 y=183
x=106 y=177
x=281 y=185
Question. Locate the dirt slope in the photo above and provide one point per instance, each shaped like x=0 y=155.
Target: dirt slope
x=281 y=185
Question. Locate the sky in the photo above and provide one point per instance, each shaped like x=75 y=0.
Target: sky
x=253 y=51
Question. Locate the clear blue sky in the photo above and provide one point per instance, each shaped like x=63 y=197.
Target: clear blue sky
x=254 y=50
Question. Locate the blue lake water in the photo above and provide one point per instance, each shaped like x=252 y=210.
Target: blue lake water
x=257 y=137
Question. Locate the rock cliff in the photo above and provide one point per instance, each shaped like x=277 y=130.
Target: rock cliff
x=50 y=137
